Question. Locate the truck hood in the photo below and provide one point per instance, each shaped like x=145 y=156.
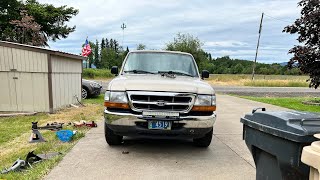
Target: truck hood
x=150 y=82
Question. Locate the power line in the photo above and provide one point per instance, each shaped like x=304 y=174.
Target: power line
x=277 y=18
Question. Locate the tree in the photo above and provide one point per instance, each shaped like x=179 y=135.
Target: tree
x=96 y=60
x=307 y=55
x=103 y=44
x=51 y=19
x=27 y=31
x=107 y=43
x=188 y=43
x=237 y=69
x=125 y=53
x=104 y=58
x=141 y=47
x=116 y=46
x=111 y=45
x=9 y=10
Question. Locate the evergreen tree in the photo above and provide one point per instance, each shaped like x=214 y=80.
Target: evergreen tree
x=111 y=44
x=96 y=54
x=51 y=19
x=116 y=46
x=103 y=44
x=107 y=43
x=104 y=58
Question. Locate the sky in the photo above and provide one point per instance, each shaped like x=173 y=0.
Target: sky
x=226 y=27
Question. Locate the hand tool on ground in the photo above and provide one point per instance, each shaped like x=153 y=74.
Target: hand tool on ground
x=30 y=159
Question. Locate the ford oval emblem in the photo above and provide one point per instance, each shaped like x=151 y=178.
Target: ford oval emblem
x=161 y=103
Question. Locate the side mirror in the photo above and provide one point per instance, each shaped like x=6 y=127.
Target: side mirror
x=205 y=74
x=114 y=70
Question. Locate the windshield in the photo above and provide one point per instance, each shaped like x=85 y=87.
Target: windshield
x=153 y=62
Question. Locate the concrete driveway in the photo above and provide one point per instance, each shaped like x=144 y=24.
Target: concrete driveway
x=226 y=158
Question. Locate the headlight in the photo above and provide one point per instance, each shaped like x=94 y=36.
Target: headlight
x=96 y=85
x=117 y=97
x=205 y=100
x=116 y=100
x=205 y=103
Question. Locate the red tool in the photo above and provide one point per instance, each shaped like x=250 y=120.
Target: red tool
x=84 y=123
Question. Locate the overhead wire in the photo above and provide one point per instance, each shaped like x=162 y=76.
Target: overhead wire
x=277 y=18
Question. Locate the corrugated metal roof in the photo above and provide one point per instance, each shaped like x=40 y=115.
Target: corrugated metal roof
x=40 y=49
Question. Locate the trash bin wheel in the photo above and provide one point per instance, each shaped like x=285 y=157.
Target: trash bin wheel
x=204 y=141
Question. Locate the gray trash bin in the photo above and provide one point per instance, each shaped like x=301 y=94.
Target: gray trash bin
x=275 y=140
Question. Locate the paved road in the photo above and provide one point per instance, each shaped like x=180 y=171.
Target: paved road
x=226 y=158
x=258 y=91
x=267 y=91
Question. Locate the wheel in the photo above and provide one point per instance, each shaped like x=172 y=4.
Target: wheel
x=204 y=141
x=111 y=138
x=84 y=93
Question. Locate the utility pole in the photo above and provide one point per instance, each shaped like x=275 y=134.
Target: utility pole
x=255 y=59
x=123 y=26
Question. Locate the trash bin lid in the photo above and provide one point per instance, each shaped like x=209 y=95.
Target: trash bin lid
x=294 y=125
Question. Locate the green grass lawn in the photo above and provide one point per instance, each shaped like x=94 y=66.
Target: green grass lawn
x=287 y=102
x=15 y=133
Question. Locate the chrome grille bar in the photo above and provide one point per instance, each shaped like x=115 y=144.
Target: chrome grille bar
x=160 y=101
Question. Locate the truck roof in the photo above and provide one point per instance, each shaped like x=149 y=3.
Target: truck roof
x=159 y=51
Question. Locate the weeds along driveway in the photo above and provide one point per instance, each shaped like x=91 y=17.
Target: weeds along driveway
x=226 y=158
x=15 y=133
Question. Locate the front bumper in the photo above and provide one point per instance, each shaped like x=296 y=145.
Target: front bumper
x=95 y=91
x=126 y=124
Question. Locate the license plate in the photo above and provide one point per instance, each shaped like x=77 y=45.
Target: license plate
x=164 y=125
x=160 y=114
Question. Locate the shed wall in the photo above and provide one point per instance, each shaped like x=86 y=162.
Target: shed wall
x=23 y=80
x=66 y=81
x=12 y=59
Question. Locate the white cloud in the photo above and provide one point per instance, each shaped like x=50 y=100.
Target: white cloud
x=228 y=43
x=226 y=27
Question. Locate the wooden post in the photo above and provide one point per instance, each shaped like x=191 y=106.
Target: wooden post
x=255 y=59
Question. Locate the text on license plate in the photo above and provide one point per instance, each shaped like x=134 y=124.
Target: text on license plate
x=165 y=125
x=160 y=114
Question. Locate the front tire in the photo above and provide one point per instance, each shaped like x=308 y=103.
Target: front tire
x=204 y=141
x=84 y=93
x=111 y=138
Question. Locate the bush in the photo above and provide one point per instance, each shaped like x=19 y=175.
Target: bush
x=96 y=73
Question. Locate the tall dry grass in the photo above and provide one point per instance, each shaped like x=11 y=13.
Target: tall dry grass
x=260 y=80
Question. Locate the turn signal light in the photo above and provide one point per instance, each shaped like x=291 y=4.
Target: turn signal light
x=204 y=108
x=116 y=105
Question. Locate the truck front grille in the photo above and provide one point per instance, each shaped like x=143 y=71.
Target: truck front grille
x=161 y=101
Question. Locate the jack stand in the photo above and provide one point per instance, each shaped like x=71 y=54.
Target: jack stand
x=36 y=136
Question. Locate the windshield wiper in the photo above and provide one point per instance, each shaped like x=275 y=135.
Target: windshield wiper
x=175 y=72
x=139 y=72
